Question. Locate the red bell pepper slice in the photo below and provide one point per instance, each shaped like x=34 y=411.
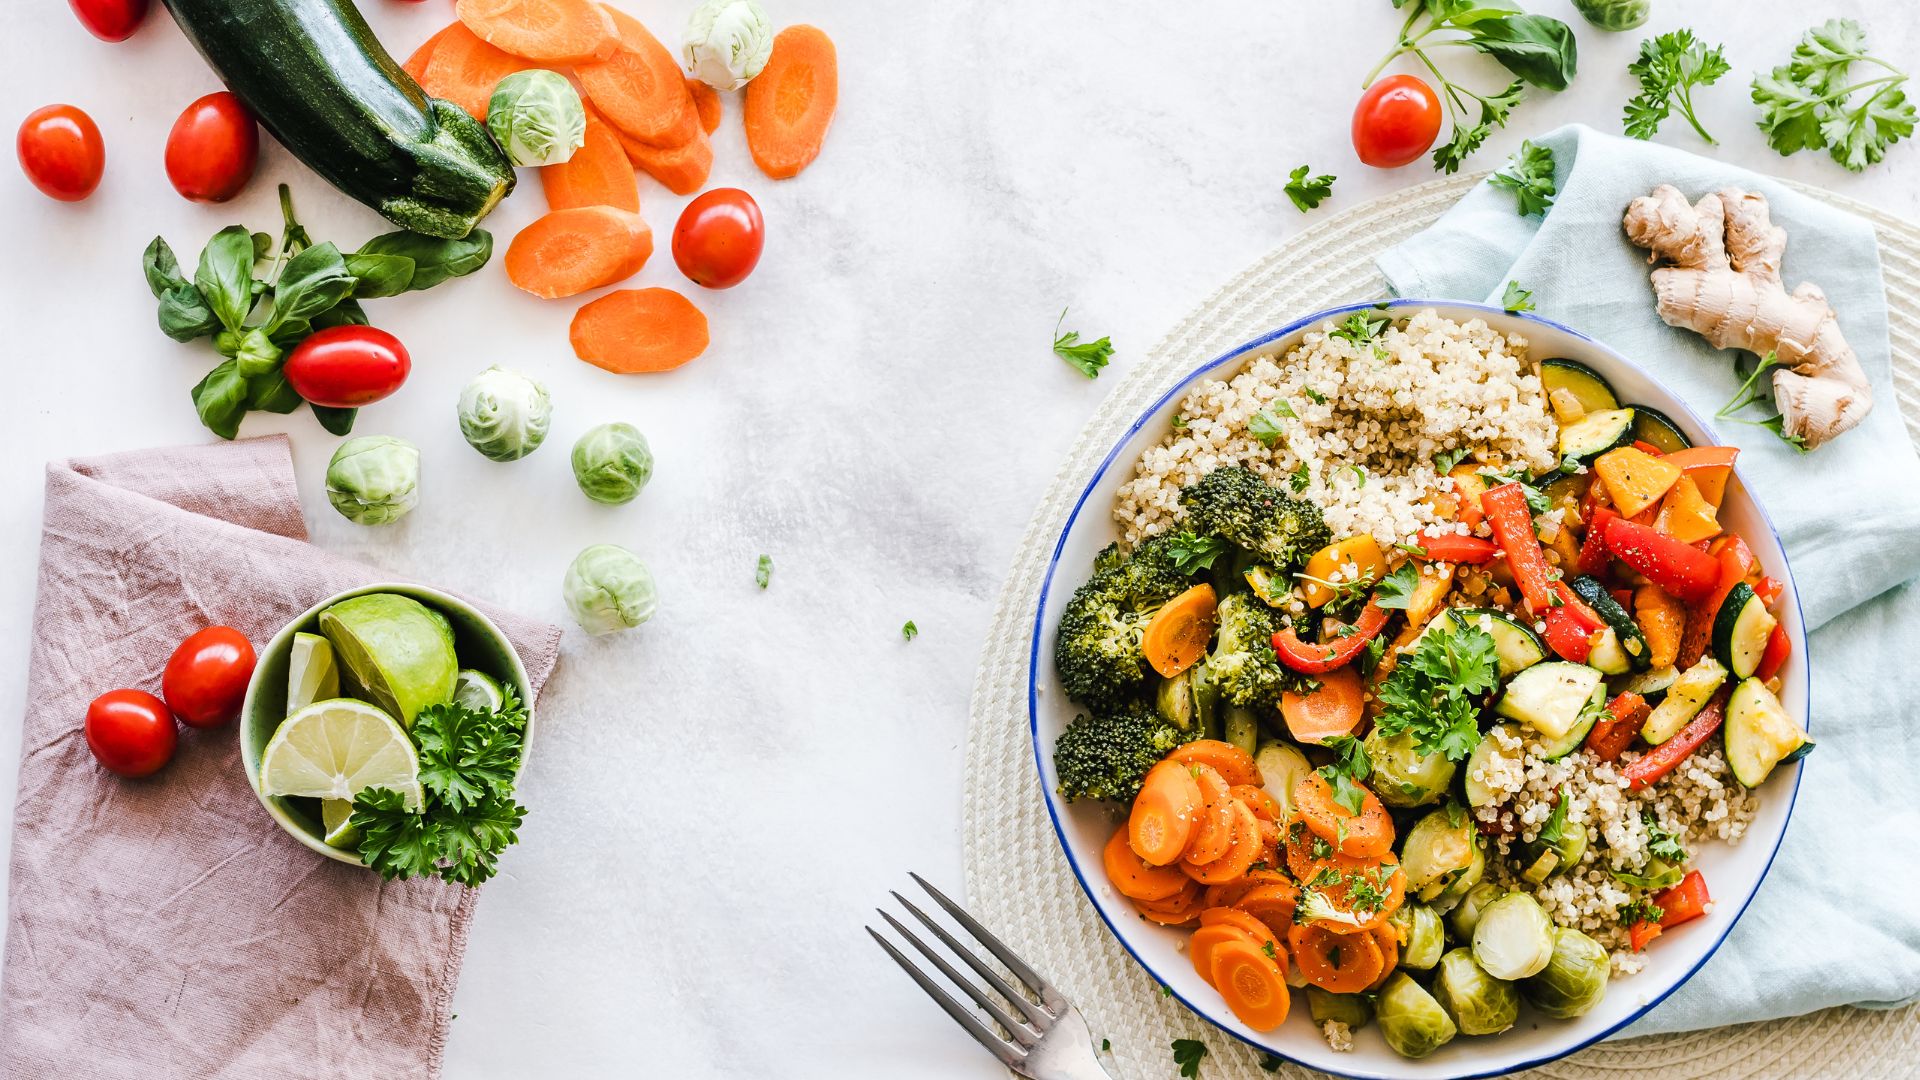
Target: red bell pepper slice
x=1565 y=636
x=1512 y=521
x=1683 y=903
x=1594 y=556
x=1648 y=449
x=1319 y=659
x=1736 y=562
x=1642 y=932
x=1666 y=757
x=1614 y=732
x=1454 y=548
x=1683 y=570
x=1768 y=589
x=1779 y=647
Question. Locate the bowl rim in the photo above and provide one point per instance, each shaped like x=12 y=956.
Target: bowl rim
x=1153 y=410
x=283 y=640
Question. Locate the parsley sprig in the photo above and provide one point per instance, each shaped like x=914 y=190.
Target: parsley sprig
x=1087 y=357
x=1396 y=589
x=1187 y=1054
x=1810 y=103
x=1669 y=68
x=1192 y=553
x=1308 y=192
x=1434 y=690
x=1350 y=765
x=1529 y=175
x=1516 y=299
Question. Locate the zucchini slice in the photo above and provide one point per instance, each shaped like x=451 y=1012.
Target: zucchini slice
x=1760 y=734
x=1652 y=682
x=1741 y=629
x=1478 y=794
x=1606 y=654
x=1632 y=642
x=1595 y=434
x=1576 y=736
x=1586 y=385
x=1515 y=642
x=1653 y=427
x=1687 y=696
x=1549 y=697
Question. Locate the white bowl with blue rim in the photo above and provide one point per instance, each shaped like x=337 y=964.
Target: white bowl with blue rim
x=1733 y=872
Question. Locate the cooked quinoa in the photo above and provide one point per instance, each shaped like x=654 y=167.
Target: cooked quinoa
x=1367 y=420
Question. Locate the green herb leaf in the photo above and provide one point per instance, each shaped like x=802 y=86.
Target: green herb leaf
x=1192 y=553
x=161 y=268
x=1516 y=299
x=763 y=571
x=257 y=355
x=1302 y=477
x=1187 y=1054
x=1528 y=174
x=1307 y=193
x=1669 y=68
x=379 y=275
x=1556 y=825
x=909 y=631
x=225 y=275
x=1641 y=910
x=1814 y=101
x=466 y=754
x=1661 y=843
x=271 y=392
x=1396 y=589
x=1313 y=395
x=1350 y=766
x=311 y=282
x=435 y=259
x=1434 y=689
x=335 y=421
x=184 y=314
x=221 y=399
x=1265 y=427
x=394 y=841
x=1360 y=328
x=1538 y=49
x=1086 y=357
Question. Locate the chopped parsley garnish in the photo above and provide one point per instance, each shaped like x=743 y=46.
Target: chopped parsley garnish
x=1396 y=589
x=1642 y=910
x=1529 y=175
x=1556 y=827
x=1661 y=843
x=1187 y=1054
x=763 y=571
x=1360 y=328
x=1307 y=192
x=1516 y=299
x=1433 y=690
x=909 y=631
x=1313 y=395
x=1192 y=553
x=1445 y=460
x=1265 y=427
x=1301 y=477
x=1087 y=357
x=1411 y=549
x=1350 y=765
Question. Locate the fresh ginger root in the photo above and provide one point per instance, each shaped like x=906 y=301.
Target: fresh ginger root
x=1724 y=284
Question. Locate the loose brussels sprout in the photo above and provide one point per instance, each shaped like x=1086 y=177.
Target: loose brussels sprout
x=1240 y=727
x=608 y=588
x=536 y=117
x=612 y=463
x=727 y=42
x=1478 y=1003
x=1352 y=1010
x=1466 y=915
x=1402 y=776
x=1282 y=767
x=1546 y=858
x=1574 y=980
x=504 y=414
x=1514 y=937
x=1438 y=846
x=1173 y=700
x=1422 y=935
x=1614 y=14
x=374 y=479
x=1459 y=884
x=1413 y=1024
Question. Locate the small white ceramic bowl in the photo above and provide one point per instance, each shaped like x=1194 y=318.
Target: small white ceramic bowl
x=1733 y=873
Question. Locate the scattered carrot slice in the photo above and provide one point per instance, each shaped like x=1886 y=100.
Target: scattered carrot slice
x=639 y=330
x=1341 y=963
x=681 y=169
x=1253 y=984
x=1177 y=635
x=1333 y=708
x=1213 y=836
x=1264 y=806
x=549 y=31
x=706 y=102
x=464 y=69
x=1165 y=813
x=1272 y=902
x=598 y=174
x=1239 y=858
x=639 y=88
x=791 y=102
x=1363 y=835
x=1232 y=763
x=565 y=252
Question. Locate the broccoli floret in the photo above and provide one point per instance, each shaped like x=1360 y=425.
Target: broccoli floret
x=1098 y=649
x=1107 y=754
x=1234 y=503
x=1243 y=664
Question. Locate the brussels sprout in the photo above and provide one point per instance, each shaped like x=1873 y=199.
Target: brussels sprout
x=536 y=117
x=608 y=588
x=1614 y=14
x=1544 y=858
x=1466 y=915
x=1282 y=766
x=1353 y=1010
x=374 y=479
x=504 y=414
x=1410 y=1020
x=1478 y=1003
x=1574 y=980
x=1402 y=776
x=1459 y=884
x=1240 y=727
x=1514 y=937
x=727 y=42
x=1438 y=846
x=612 y=463
x=1422 y=935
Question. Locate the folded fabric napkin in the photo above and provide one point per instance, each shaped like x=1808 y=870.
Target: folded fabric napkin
x=1837 y=921
x=166 y=927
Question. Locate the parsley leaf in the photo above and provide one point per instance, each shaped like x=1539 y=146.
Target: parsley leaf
x=1187 y=1054
x=1359 y=328
x=1433 y=689
x=1192 y=553
x=909 y=631
x=1516 y=299
x=471 y=840
x=1396 y=589
x=1662 y=843
x=1301 y=477
x=1669 y=67
x=1642 y=910
x=394 y=840
x=1265 y=428
x=1307 y=193
x=763 y=571
x=1555 y=828
x=1809 y=103
x=1313 y=395
x=1529 y=175
x=1087 y=357
x=1349 y=766
x=1445 y=460
x=465 y=754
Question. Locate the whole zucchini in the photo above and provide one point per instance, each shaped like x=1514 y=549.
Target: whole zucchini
x=315 y=76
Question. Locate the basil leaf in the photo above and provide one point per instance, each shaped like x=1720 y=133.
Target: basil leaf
x=379 y=275
x=1537 y=48
x=184 y=314
x=310 y=283
x=434 y=259
x=262 y=246
x=336 y=421
x=221 y=400
x=225 y=275
x=161 y=268
x=345 y=313
x=272 y=393
x=257 y=356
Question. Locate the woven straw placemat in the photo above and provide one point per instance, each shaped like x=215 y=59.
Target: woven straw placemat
x=1017 y=881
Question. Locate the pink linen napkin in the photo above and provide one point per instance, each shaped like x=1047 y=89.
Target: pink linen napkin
x=166 y=927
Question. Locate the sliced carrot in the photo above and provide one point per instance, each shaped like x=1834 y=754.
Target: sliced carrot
x=1264 y=806
x=1253 y=984
x=1208 y=938
x=1389 y=942
x=1232 y=763
x=791 y=102
x=1177 y=910
x=565 y=252
x=1333 y=708
x=1305 y=851
x=640 y=88
x=639 y=330
x=681 y=169
x=598 y=174
x=1381 y=881
x=464 y=69
x=1228 y=894
x=1165 y=813
x=1239 y=858
x=1177 y=635
x=1135 y=878
x=548 y=31
x=1341 y=963
x=1363 y=835
x=1272 y=902
x=706 y=102
x=1211 y=916
x=1213 y=836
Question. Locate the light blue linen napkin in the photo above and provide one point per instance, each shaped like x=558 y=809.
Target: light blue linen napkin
x=1838 y=920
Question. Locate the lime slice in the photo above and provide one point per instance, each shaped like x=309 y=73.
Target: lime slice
x=333 y=815
x=477 y=690
x=311 y=673
x=395 y=649
x=336 y=748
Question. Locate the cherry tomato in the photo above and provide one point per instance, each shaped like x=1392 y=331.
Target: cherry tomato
x=718 y=240
x=61 y=151
x=206 y=677
x=110 y=20
x=1396 y=121
x=130 y=732
x=212 y=149
x=346 y=367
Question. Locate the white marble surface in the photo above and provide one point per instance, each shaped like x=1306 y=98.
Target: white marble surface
x=720 y=797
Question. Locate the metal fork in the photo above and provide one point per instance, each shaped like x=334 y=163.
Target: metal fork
x=1050 y=1042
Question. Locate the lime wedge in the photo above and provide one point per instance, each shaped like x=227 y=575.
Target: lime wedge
x=311 y=673
x=333 y=815
x=397 y=651
x=337 y=748
x=477 y=690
